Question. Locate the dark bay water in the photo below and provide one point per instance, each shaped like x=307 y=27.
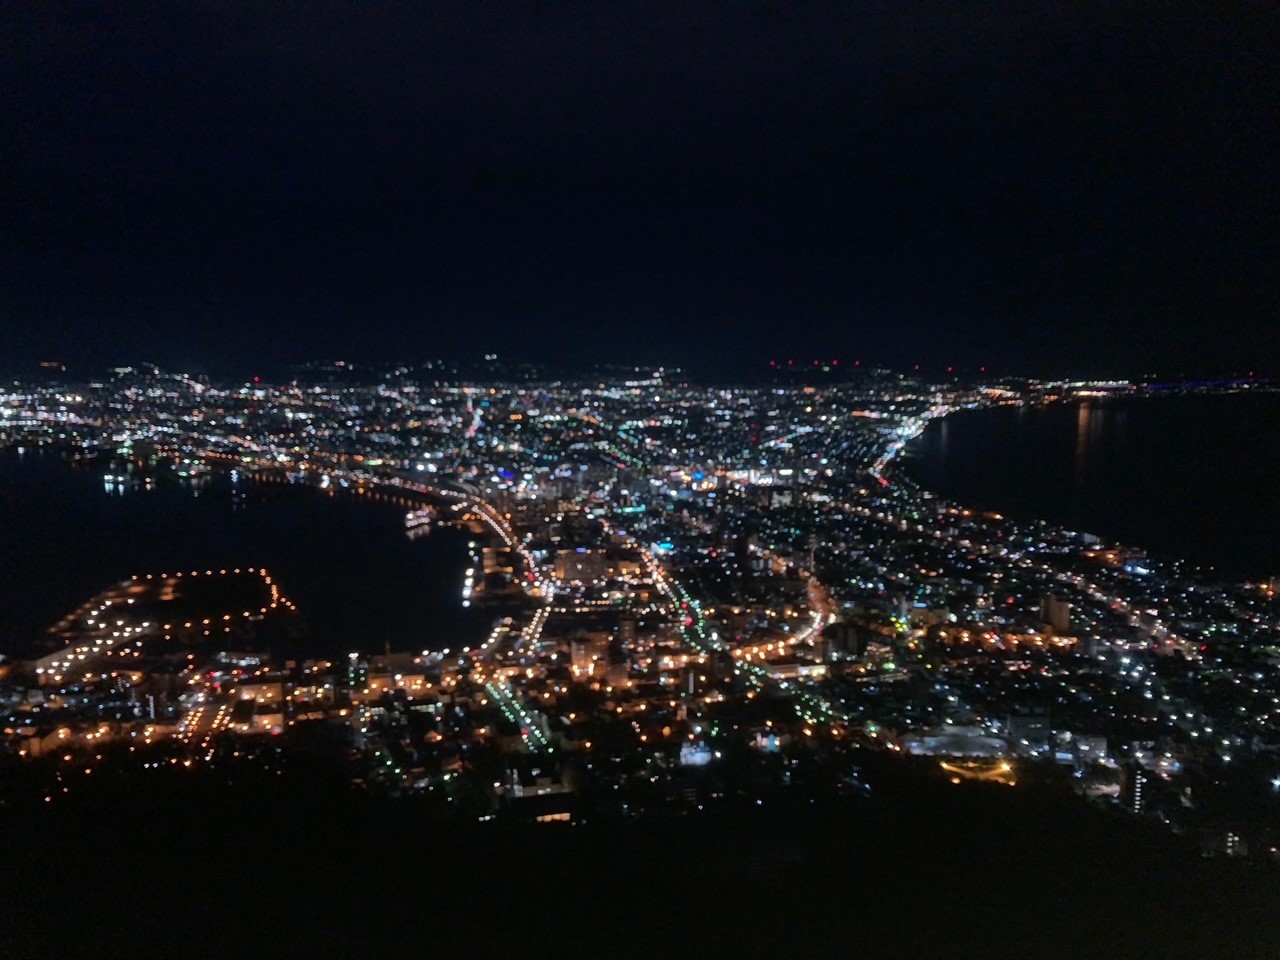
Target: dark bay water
x=1196 y=477
x=357 y=580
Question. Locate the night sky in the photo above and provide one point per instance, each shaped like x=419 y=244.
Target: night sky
x=1039 y=187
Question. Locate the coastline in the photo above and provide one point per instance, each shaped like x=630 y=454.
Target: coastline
x=313 y=540
x=890 y=470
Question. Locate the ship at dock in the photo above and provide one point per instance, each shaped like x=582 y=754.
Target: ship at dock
x=420 y=519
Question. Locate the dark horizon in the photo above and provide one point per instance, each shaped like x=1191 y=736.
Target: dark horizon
x=774 y=371
x=1025 y=188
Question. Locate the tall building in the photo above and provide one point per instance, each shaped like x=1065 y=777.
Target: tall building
x=1056 y=612
x=1135 y=787
x=618 y=669
x=627 y=630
